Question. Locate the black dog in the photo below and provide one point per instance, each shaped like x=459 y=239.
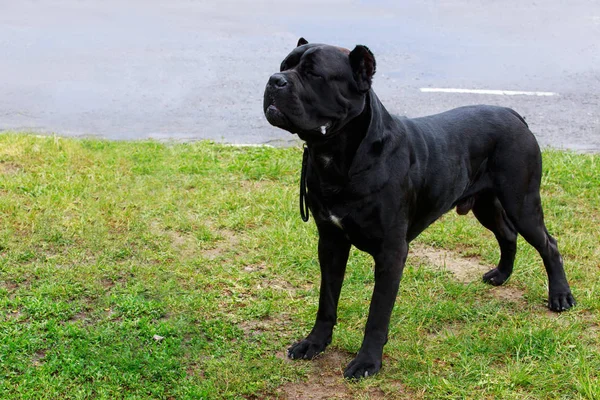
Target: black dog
x=376 y=181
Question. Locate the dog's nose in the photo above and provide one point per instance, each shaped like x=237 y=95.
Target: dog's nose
x=278 y=80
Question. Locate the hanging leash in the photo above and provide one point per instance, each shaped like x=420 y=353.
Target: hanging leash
x=303 y=200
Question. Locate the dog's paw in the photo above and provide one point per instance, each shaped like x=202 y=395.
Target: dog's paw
x=495 y=277
x=560 y=301
x=305 y=350
x=362 y=367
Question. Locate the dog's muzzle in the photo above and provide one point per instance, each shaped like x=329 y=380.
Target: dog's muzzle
x=275 y=116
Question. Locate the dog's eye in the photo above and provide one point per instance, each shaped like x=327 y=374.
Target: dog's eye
x=313 y=74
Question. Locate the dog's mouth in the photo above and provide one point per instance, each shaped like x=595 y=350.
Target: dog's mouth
x=272 y=110
x=276 y=117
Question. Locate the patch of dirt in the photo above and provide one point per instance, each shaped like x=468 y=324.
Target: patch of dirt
x=10 y=285
x=121 y=278
x=194 y=371
x=13 y=287
x=177 y=238
x=590 y=317
x=464 y=269
x=14 y=314
x=508 y=293
x=326 y=381
x=110 y=314
x=255 y=267
x=9 y=168
x=274 y=282
x=280 y=284
x=187 y=245
x=566 y=318
x=38 y=358
x=107 y=283
x=280 y=323
x=230 y=240
x=80 y=316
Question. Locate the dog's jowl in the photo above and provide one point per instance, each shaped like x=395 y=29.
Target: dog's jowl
x=376 y=181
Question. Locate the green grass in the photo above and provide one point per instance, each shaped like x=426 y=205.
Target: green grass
x=105 y=244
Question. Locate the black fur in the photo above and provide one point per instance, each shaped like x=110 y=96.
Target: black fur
x=376 y=181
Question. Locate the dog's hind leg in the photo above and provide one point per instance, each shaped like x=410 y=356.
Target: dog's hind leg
x=489 y=212
x=529 y=220
x=517 y=185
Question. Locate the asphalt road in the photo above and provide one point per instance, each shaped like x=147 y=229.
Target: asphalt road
x=190 y=70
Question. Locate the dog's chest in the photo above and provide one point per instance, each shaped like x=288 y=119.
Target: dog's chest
x=362 y=222
x=335 y=220
x=360 y=205
x=364 y=231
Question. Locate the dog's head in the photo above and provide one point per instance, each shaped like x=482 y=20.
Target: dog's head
x=319 y=89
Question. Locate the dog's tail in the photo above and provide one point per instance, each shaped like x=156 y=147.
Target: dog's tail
x=516 y=114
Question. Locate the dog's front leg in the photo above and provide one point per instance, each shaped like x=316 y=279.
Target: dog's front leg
x=389 y=264
x=333 y=256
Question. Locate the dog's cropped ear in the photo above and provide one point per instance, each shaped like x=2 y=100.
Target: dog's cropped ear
x=362 y=62
x=301 y=42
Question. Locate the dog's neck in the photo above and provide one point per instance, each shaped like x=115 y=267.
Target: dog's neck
x=333 y=156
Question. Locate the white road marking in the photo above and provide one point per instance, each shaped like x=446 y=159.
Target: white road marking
x=246 y=144
x=487 y=91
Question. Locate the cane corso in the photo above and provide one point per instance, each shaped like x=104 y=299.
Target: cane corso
x=376 y=181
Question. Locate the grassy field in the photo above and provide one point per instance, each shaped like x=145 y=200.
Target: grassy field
x=104 y=245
